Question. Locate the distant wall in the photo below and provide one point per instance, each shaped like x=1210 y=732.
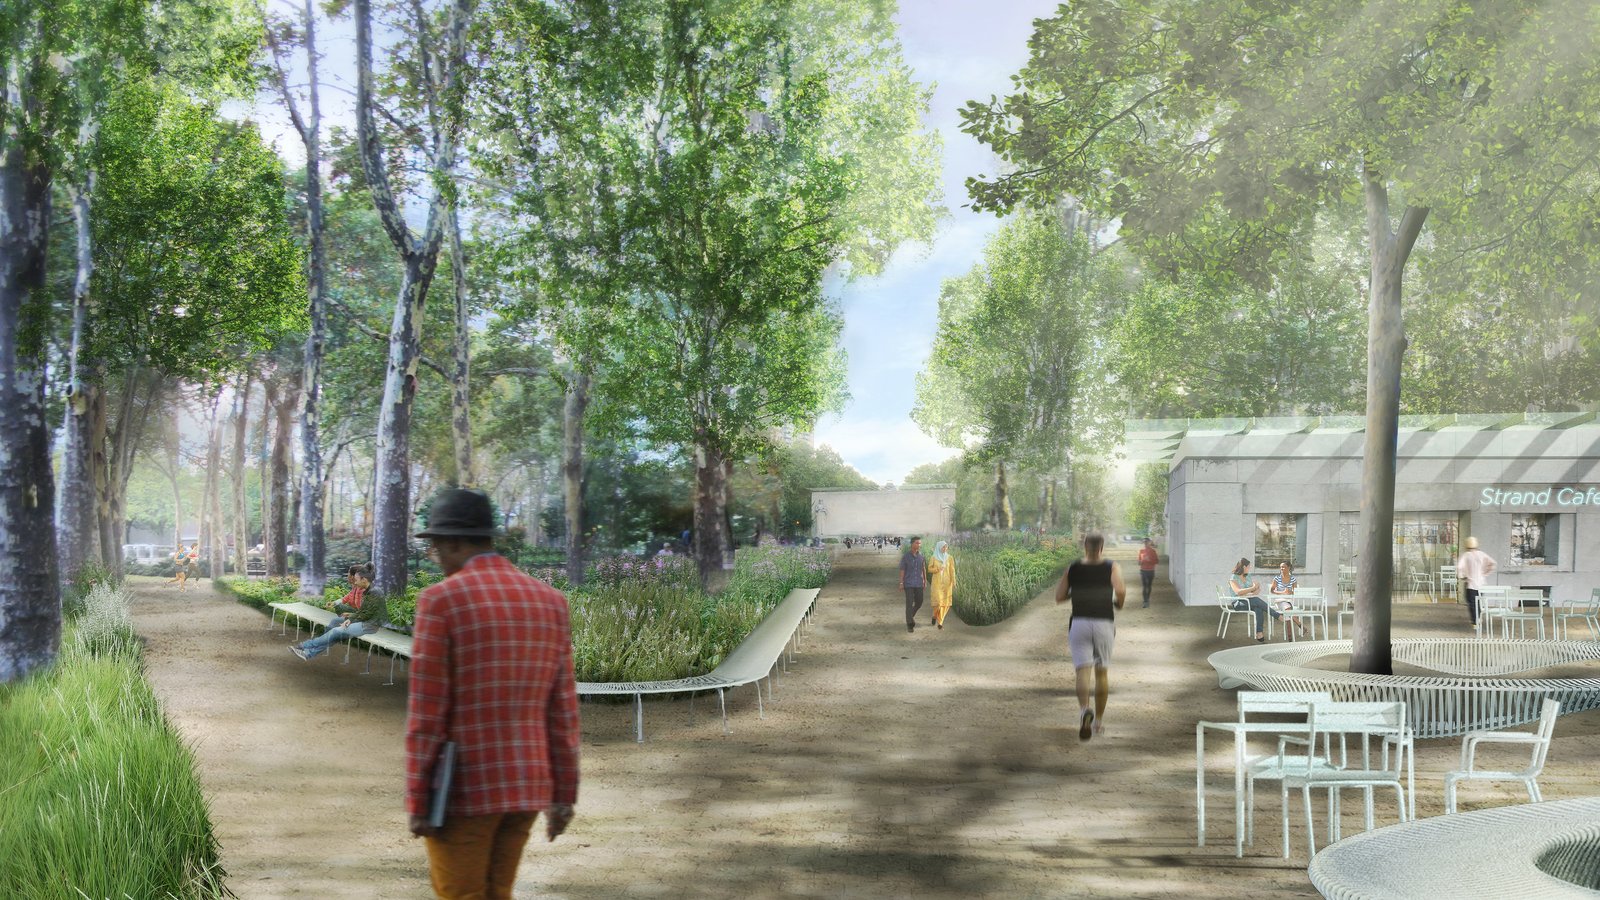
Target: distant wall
x=889 y=513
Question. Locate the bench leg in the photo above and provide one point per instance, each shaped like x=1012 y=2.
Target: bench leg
x=638 y=717
x=392 y=658
x=761 y=712
x=347 y=652
x=722 y=698
x=691 y=707
x=368 y=669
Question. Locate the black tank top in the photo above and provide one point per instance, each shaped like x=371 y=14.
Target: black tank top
x=1089 y=585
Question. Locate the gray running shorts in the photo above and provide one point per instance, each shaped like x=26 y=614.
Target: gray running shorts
x=1090 y=640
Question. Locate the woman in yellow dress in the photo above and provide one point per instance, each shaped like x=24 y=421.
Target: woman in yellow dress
x=941 y=581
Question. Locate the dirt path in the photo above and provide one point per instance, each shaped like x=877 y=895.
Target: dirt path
x=928 y=765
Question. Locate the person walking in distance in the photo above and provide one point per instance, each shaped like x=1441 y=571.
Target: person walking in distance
x=1094 y=588
x=941 y=582
x=1472 y=568
x=491 y=671
x=1148 y=558
x=913 y=580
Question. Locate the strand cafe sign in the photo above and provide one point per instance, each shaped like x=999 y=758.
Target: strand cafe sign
x=1570 y=495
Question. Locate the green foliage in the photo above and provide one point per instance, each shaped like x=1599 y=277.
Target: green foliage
x=261 y=591
x=1014 y=347
x=774 y=490
x=1192 y=348
x=101 y=796
x=638 y=628
x=996 y=576
x=195 y=259
x=1147 y=506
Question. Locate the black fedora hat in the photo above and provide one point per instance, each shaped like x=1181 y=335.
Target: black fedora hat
x=459 y=513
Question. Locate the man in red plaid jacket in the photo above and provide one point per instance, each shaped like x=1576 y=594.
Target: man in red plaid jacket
x=492 y=671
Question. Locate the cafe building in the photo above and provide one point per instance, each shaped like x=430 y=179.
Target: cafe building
x=1526 y=485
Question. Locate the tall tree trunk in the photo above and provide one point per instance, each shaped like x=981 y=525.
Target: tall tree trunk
x=460 y=381
x=1386 y=345
x=391 y=531
x=241 y=522
x=574 y=405
x=313 y=546
x=269 y=405
x=710 y=510
x=1002 y=499
x=141 y=395
x=30 y=589
x=392 y=516
x=212 y=534
x=1050 y=516
x=278 y=550
x=174 y=463
x=79 y=524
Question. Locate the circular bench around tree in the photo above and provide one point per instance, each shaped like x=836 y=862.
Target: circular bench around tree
x=1472 y=692
x=1545 y=850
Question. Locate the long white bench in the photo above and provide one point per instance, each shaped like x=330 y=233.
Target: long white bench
x=769 y=643
x=1544 y=850
x=315 y=616
x=1473 y=691
x=775 y=640
x=397 y=645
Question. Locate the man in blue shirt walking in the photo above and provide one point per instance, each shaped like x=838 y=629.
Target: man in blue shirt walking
x=913 y=580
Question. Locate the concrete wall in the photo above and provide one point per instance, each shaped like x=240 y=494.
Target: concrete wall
x=1220 y=483
x=889 y=513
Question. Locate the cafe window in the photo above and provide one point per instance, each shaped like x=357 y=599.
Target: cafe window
x=1280 y=538
x=1535 y=539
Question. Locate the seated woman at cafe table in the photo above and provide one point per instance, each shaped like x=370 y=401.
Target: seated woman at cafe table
x=1250 y=591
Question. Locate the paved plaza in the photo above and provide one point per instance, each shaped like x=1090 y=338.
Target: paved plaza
x=927 y=765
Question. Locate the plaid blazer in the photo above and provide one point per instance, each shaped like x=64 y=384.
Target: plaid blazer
x=492 y=670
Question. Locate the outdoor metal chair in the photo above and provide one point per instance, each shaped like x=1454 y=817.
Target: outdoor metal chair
x=1384 y=721
x=1309 y=604
x=1539 y=740
x=1587 y=613
x=1225 y=600
x=1518 y=612
x=1493 y=600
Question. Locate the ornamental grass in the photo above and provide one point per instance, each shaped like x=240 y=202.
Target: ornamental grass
x=98 y=795
x=996 y=575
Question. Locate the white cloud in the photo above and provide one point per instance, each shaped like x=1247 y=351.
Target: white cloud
x=881 y=449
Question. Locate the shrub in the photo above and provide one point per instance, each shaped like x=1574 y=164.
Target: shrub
x=100 y=795
x=104 y=626
x=996 y=575
x=259 y=592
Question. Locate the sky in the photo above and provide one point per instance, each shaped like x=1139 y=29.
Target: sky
x=966 y=50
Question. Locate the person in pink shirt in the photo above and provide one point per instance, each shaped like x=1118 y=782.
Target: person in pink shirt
x=1473 y=566
x=1148 y=558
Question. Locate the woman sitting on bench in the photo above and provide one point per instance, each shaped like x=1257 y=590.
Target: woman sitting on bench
x=363 y=613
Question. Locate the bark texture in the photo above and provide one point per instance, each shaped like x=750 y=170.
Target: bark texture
x=78 y=525
x=241 y=523
x=1386 y=345
x=420 y=255
x=30 y=589
x=278 y=550
x=574 y=404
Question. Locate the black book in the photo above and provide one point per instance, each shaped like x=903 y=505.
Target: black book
x=444 y=771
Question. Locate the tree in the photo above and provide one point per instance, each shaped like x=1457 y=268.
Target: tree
x=1147 y=505
x=1015 y=348
x=715 y=161
x=280 y=36
x=1214 y=130
x=196 y=269
x=444 y=79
